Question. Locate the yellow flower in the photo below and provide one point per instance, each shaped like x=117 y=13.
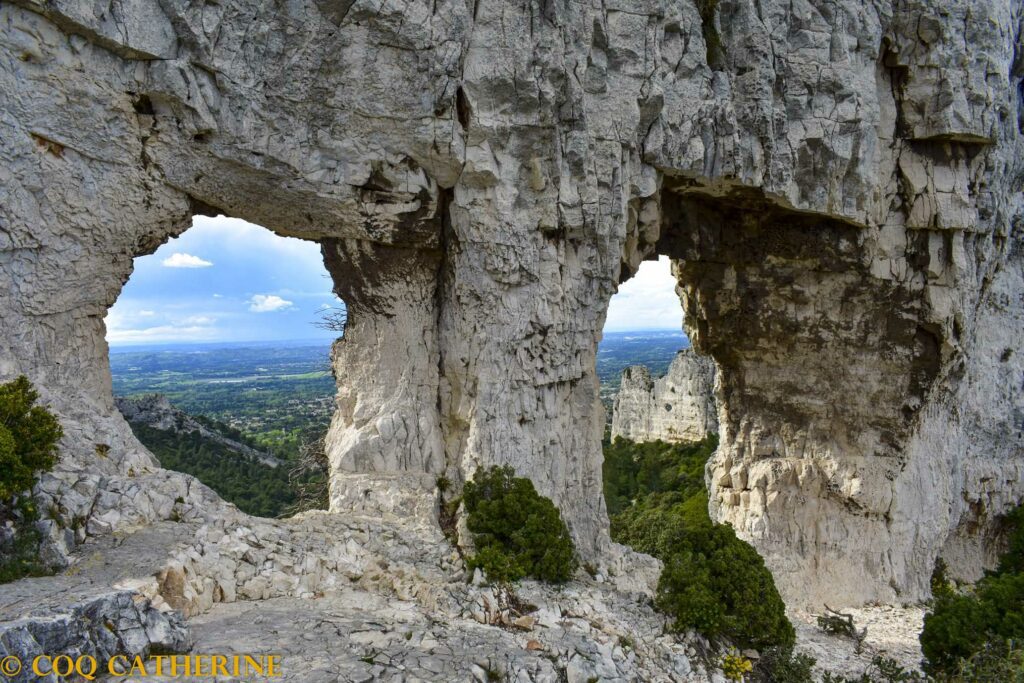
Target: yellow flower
x=735 y=666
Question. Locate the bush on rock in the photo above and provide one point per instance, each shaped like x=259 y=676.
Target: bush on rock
x=28 y=438
x=517 y=532
x=971 y=629
x=28 y=446
x=712 y=582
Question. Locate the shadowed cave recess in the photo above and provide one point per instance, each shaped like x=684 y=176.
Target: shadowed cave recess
x=847 y=247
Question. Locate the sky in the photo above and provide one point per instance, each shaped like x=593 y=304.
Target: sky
x=646 y=301
x=225 y=280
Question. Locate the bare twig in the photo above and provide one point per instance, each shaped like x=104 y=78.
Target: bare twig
x=309 y=477
x=333 y=319
x=841 y=624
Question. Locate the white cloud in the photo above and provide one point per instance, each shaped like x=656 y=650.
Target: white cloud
x=266 y=303
x=647 y=300
x=147 y=314
x=161 y=333
x=120 y=329
x=181 y=260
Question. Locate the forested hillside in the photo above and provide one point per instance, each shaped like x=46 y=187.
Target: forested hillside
x=254 y=487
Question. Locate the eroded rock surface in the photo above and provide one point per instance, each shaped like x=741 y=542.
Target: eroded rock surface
x=679 y=407
x=343 y=598
x=839 y=185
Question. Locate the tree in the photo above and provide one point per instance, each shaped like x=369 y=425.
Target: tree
x=517 y=532
x=28 y=438
x=28 y=446
x=712 y=581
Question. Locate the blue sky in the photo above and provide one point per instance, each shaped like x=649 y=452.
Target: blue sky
x=225 y=280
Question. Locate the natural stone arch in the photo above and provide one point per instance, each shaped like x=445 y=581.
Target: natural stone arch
x=832 y=368
x=531 y=150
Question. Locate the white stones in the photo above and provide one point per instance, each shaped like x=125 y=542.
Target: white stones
x=381 y=595
x=679 y=407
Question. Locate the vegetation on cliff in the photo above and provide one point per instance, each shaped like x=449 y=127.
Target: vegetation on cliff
x=254 y=487
x=980 y=628
x=712 y=581
x=28 y=446
x=517 y=532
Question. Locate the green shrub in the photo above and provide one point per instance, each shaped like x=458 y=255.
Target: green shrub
x=1012 y=560
x=28 y=446
x=254 y=487
x=1003 y=662
x=633 y=470
x=780 y=664
x=960 y=626
x=964 y=626
x=28 y=438
x=517 y=532
x=712 y=581
x=715 y=583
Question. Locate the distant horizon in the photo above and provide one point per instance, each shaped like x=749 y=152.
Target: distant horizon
x=128 y=347
x=228 y=281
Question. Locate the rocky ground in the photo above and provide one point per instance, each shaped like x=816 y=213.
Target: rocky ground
x=360 y=599
x=892 y=632
x=343 y=599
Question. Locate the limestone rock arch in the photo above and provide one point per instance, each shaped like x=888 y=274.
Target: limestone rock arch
x=846 y=177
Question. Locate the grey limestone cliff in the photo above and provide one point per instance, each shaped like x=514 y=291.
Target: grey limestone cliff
x=838 y=185
x=679 y=407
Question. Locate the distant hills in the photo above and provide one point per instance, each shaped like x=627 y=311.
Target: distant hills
x=214 y=453
x=156 y=411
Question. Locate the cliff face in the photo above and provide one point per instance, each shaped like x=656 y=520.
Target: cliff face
x=677 y=407
x=838 y=184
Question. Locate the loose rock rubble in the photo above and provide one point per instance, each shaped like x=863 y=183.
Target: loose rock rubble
x=346 y=598
x=892 y=632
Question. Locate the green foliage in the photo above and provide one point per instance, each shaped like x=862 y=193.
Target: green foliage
x=28 y=438
x=517 y=532
x=940 y=583
x=781 y=664
x=712 y=581
x=960 y=626
x=20 y=557
x=989 y=618
x=1013 y=560
x=634 y=470
x=28 y=446
x=1002 y=662
x=881 y=670
x=717 y=584
x=255 y=488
